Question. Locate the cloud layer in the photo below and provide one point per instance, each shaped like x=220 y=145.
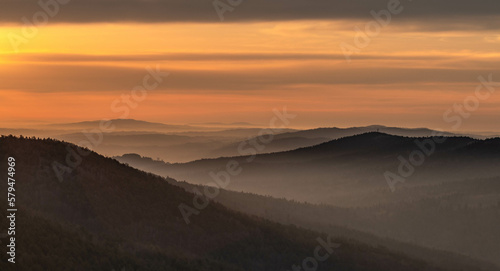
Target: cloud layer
x=46 y=78
x=147 y=11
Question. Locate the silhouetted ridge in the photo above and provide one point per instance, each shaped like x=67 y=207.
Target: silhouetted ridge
x=113 y=209
x=435 y=200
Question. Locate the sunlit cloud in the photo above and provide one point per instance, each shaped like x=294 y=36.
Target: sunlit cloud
x=230 y=71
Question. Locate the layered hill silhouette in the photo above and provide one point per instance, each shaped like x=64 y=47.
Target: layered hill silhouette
x=339 y=171
x=172 y=147
x=103 y=215
x=306 y=138
x=459 y=216
x=184 y=143
x=466 y=214
x=450 y=201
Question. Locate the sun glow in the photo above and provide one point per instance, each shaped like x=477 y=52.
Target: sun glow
x=283 y=62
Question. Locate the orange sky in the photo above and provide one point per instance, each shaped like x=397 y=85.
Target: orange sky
x=241 y=71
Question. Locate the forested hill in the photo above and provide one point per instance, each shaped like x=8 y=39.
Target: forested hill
x=104 y=215
x=339 y=171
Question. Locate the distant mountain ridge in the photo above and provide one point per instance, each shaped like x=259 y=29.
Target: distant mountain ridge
x=183 y=143
x=451 y=200
x=349 y=163
x=305 y=138
x=122 y=216
x=124 y=125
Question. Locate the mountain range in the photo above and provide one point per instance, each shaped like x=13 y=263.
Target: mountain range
x=184 y=143
x=449 y=202
x=104 y=215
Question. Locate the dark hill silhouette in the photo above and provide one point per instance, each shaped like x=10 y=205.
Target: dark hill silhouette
x=172 y=147
x=184 y=143
x=446 y=203
x=122 y=216
x=331 y=170
x=306 y=138
x=334 y=133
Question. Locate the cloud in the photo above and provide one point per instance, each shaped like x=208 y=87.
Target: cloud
x=47 y=57
x=71 y=78
x=461 y=12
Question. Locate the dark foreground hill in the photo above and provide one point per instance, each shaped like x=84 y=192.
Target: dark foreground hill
x=104 y=215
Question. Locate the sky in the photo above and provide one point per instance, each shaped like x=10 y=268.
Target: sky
x=332 y=63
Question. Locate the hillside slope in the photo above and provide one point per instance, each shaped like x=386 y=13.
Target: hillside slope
x=310 y=137
x=129 y=212
x=460 y=217
x=450 y=202
x=346 y=172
